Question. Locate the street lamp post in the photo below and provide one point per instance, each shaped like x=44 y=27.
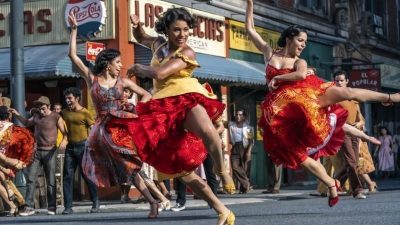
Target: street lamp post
x=17 y=68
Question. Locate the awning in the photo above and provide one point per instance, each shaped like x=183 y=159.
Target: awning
x=230 y=70
x=47 y=61
x=216 y=68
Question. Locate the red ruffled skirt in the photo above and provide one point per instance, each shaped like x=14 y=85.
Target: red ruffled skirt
x=295 y=126
x=19 y=143
x=159 y=135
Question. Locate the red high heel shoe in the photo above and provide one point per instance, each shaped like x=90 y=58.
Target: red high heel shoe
x=332 y=201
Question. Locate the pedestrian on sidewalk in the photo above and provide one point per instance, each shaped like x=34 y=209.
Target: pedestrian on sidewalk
x=241 y=136
x=350 y=147
x=46 y=123
x=78 y=121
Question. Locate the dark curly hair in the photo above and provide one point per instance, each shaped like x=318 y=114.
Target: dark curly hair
x=4 y=114
x=290 y=33
x=103 y=58
x=74 y=91
x=341 y=72
x=172 y=15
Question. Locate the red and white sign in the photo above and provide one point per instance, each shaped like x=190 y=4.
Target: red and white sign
x=367 y=79
x=207 y=37
x=93 y=49
x=90 y=16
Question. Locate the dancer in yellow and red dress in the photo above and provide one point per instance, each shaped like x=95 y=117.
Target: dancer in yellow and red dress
x=299 y=117
x=105 y=163
x=174 y=131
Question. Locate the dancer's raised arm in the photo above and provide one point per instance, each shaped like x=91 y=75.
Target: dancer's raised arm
x=254 y=36
x=174 y=65
x=139 y=33
x=84 y=71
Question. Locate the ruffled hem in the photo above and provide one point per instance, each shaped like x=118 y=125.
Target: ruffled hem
x=159 y=134
x=110 y=158
x=22 y=145
x=295 y=126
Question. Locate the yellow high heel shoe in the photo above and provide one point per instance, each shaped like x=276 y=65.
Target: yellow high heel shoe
x=228 y=187
x=230 y=219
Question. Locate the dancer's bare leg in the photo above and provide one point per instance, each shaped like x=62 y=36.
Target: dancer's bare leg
x=350 y=130
x=163 y=189
x=198 y=122
x=319 y=171
x=141 y=186
x=371 y=184
x=336 y=94
x=201 y=189
x=4 y=196
x=153 y=189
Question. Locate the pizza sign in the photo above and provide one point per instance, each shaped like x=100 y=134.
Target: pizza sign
x=90 y=16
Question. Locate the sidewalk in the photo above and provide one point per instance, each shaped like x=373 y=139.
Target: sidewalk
x=254 y=196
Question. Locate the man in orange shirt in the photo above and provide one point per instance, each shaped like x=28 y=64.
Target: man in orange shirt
x=350 y=145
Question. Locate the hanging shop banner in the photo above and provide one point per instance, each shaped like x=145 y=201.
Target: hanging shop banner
x=367 y=79
x=238 y=38
x=207 y=37
x=90 y=16
x=45 y=20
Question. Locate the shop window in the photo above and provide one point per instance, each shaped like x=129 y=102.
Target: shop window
x=316 y=7
x=376 y=14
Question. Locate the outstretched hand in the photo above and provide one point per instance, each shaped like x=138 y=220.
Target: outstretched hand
x=135 y=21
x=72 y=21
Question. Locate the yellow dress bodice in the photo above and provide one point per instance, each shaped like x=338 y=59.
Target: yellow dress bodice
x=179 y=83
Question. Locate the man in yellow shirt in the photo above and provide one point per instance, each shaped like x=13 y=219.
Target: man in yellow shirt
x=78 y=120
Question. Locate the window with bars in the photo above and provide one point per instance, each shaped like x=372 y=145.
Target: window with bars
x=378 y=11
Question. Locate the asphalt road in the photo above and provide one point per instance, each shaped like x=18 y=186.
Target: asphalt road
x=382 y=208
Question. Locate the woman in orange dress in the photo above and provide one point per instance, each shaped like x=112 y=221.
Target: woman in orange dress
x=174 y=131
x=300 y=118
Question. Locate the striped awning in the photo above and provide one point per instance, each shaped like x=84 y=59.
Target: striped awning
x=46 y=61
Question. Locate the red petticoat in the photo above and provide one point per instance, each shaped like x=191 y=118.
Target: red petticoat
x=21 y=144
x=159 y=135
x=295 y=126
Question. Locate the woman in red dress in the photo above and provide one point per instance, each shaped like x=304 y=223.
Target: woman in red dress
x=104 y=163
x=174 y=131
x=299 y=117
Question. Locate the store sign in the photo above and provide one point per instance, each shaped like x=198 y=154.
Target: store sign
x=366 y=79
x=207 y=37
x=90 y=16
x=238 y=38
x=93 y=49
x=44 y=21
